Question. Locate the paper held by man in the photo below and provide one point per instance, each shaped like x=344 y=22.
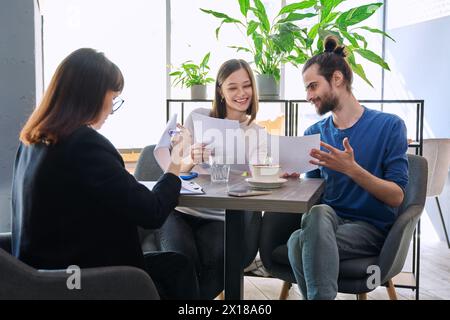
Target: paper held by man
x=232 y=145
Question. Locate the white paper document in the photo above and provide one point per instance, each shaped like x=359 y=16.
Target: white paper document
x=187 y=187
x=292 y=153
x=218 y=134
x=162 y=149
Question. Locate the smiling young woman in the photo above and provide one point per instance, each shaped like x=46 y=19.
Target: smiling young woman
x=198 y=233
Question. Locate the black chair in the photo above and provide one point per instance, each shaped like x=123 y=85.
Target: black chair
x=277 y=228
x=20 y=281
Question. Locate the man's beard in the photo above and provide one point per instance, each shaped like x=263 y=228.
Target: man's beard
x=328 y=103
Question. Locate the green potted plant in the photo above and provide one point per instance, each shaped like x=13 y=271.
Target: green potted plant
x=285 y=41
x=194 y=76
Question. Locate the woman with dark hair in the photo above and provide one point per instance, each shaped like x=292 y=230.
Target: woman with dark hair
x=73 y=201
x=198 y=233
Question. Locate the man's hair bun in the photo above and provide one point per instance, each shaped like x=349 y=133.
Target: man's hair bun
x=331 y=45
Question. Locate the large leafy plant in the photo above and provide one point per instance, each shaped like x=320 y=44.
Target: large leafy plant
x=190 y=74
x=284 y=40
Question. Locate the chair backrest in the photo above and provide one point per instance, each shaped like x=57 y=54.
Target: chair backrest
x=395 y=248
x=20 y=281
x=147 y=169
x=437 y=153
x=415 y=192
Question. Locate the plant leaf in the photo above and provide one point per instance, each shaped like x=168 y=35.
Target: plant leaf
x=258 y=41
x=252 y=26
x=218 y=30
x=176 y=73
x=360 y=38
x=325 y=9
x=296 y=17
x=358 y=14
x=221 y=15
x=336 y=3
x=330 y=17
x=323 y=33
x=314 y=30
x=261 y=13
x=372 y=56
x=244 y=6
x=352 y=40
x=373 y=30
x=190 y=66
x=357 y=68
x=240 y=48
x=284 y=41
x=297 y=6
x=205 y=60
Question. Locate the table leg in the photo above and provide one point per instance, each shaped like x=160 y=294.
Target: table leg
x=234 y=240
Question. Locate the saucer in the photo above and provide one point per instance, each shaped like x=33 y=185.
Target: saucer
x=265 y=184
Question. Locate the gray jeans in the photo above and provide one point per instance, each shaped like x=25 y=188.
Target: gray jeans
x=323 y=240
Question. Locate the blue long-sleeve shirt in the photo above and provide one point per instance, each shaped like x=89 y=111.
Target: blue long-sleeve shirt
x=380 y=144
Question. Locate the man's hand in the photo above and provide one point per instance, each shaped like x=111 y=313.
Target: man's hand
x=344 y=162
x=335 y=159
x=294 y=175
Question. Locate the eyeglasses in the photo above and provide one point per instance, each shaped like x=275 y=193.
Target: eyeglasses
x=117 y=103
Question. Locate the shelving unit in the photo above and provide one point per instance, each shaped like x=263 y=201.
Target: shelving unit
x=184 y=102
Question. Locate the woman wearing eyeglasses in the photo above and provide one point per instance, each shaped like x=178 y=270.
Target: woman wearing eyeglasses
x=73 y=201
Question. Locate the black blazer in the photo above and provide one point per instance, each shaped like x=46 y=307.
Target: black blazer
x=75 y=204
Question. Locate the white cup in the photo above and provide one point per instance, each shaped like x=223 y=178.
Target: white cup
x=265 y=172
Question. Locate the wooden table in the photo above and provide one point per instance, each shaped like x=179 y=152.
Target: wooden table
x=295 y=196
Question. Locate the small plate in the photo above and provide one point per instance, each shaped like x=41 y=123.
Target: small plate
x=266 y=184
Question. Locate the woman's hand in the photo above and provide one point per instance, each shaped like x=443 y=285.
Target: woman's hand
x=181 y=143
x=200 y=153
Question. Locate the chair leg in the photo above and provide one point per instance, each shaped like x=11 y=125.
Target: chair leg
x=285 y=290
x=361 y=296
x=442 y=220
x=391 y=290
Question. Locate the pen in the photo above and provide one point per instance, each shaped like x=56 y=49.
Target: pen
x=174 y=132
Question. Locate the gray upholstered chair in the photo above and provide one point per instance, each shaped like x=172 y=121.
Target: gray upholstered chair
x=20 y=281
x=353 y=276
x=147 y=169
x=437 y=153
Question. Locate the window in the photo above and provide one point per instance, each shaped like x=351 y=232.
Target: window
x=131 y=34
x=193 y=35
